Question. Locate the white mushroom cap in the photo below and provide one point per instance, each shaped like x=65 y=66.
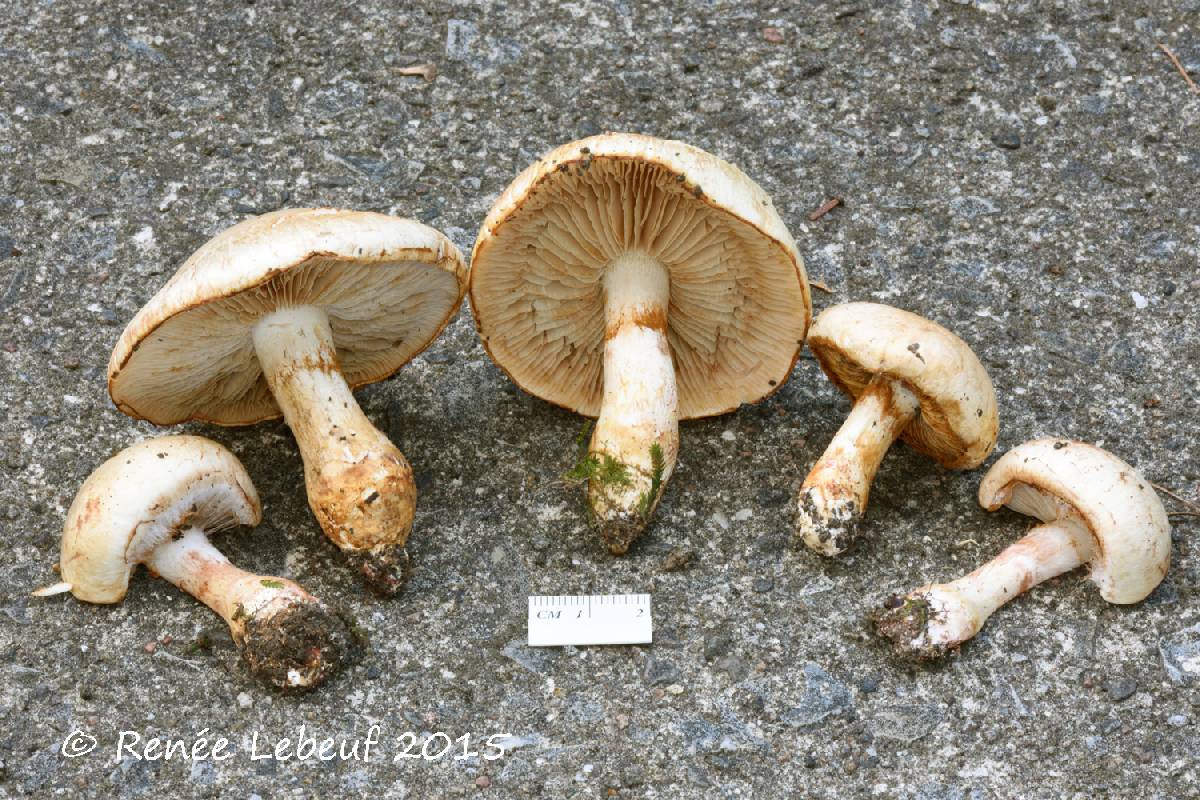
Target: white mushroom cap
x=958 y=421
x=388 y=286
x=739 y=297
x=1126 y=518
x=138 y=497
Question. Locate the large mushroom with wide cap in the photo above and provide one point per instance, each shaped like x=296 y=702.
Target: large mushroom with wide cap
x=1095 y=511
x=154 y=503
x=284 y=314
x=909 y=378
x=639 y=281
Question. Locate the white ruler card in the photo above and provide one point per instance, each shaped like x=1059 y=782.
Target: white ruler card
x=560 y=619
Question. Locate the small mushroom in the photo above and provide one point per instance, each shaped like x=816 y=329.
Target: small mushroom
x=641 y=281
x=285 y=313
x=1095 y=510
x=910 y=379
x=155 y=503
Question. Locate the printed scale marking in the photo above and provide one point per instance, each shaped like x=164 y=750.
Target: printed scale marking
x=561 y=619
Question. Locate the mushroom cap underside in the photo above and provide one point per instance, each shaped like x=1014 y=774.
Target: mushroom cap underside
x=143 y=494
x=1126 y=517
x=958 y=422
x=388 y=286
x=739 y=297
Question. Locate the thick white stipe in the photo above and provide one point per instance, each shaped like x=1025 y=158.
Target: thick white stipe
x=640 y=409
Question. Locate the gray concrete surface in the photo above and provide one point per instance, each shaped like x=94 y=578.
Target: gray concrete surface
x=1025 y=173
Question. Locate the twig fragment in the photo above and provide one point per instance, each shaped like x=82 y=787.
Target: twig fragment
x=426 y=71
x=1194 y=506
x=172 y=657
x=825 y=208
x=1179 y=66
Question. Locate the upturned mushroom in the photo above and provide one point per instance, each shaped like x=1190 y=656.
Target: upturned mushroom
x=909 y=378
x=154 y=503
x=284 y=314
x=1095 y=510
x=641 y=281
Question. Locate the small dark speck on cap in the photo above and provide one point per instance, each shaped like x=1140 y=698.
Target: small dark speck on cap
x=1059 y=445
x=162 y=455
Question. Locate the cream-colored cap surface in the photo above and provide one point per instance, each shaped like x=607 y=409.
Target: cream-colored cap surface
x=739 y=298
x=388 y=285
x=958 y=422
x=143 y=494
x=1126 y=517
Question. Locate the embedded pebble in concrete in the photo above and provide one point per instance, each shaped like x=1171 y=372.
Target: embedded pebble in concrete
x=1181 y=656
x=823 y=696
x=905 y=723
x=1120 y=688
x=1026 y=177
x=659 y=671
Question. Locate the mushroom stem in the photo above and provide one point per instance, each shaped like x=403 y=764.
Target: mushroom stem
x=288 y=637
x=834 y=495
x=192 y=563
x=360 y=487
x=636 y=439
x=929 y=621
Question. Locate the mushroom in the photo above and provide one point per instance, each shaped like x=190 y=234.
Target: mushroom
x=285 y=313
x=641 y=281
x=154 y=503
x=910 y=379
x=1095 y=510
